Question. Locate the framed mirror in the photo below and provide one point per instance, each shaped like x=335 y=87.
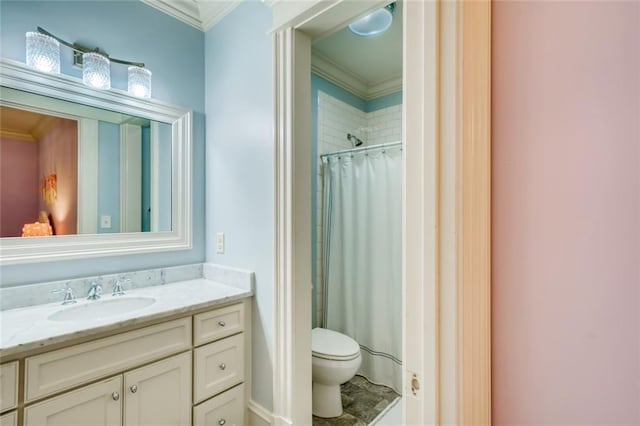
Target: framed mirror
x=89 y=173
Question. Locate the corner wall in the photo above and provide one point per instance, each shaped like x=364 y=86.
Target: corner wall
x=240 y=166
x=566 y=213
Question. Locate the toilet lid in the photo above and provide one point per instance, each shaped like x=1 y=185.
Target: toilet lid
x=329 y=344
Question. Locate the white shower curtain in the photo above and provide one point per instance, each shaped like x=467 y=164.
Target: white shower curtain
x=363 y=257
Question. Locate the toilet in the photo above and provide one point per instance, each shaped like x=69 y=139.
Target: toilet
x=335 y=360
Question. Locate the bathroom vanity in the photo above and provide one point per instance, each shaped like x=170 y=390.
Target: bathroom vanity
x=181 y=359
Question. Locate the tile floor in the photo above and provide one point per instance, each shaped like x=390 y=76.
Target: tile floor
x=362 y=402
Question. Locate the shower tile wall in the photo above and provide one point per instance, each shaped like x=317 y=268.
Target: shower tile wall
x=384 y=125
x=335 y=120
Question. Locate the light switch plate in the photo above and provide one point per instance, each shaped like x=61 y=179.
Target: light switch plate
x=220 y=242
x=105 y=222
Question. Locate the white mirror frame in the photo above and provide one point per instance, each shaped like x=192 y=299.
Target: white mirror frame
x=14 y=250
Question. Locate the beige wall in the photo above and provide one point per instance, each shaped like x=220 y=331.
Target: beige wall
x=566 y=213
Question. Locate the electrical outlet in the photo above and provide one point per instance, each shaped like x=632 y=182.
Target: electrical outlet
x=220 y=242
x=105 y=222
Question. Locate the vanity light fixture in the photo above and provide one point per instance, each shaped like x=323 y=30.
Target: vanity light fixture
x=43 y=54
x=375 y=23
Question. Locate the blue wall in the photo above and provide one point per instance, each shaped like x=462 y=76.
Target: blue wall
x=239 y=176
x=109 y=176
x=172 y=50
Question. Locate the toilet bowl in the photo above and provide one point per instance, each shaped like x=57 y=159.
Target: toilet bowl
x=335 y=360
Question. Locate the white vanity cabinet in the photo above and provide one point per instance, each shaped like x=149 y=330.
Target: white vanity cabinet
x=183 y=371
x=157 y=394
x=219 y=366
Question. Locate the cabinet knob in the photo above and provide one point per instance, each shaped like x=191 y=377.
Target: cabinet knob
x=115 y=396
x=133 y=389
x=222 y=323
x=222 y=366
x=221 y=421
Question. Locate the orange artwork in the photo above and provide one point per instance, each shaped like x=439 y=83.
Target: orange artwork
x=49 y=188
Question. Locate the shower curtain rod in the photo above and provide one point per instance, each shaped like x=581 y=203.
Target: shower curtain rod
x=364 y=148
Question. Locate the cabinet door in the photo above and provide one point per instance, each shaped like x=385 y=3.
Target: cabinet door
x=9 y=419
x=99 y=404
x=159 y=394
x=226 y=409
x=8 y=386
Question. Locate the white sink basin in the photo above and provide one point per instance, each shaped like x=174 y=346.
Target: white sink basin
x=101 y=308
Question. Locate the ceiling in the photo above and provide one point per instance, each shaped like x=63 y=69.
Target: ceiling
x=375 y=61
x=24 y=125
x=368 y=67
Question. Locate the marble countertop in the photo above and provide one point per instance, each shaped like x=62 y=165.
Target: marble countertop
x=28 y=328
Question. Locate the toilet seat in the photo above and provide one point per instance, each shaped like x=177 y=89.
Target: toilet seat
x=331 y=345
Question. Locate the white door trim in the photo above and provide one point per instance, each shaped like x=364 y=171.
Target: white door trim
x=447 y=193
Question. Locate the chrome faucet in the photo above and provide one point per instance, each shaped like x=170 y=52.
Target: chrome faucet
x=118 y=286
x=69 y=297
x=95 y=290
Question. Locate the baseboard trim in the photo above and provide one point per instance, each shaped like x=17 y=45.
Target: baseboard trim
x=258 y=415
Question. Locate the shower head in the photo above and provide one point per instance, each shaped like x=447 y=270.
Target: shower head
x=354 y=140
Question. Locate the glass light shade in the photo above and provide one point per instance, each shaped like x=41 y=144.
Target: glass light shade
x=96 y=70
x=43 y=52
x=374 y=23
x=139 y=82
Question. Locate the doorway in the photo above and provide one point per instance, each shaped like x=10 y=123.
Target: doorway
x=446 y=308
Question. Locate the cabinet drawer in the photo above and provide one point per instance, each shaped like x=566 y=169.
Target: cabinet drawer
x=226 y=409
x=62 y=369
x=9 y=419
x=97 y=404
x=8 y=386
x=210 y=326
x=218 y=366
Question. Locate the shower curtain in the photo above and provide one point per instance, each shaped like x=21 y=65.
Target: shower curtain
x=363 y=257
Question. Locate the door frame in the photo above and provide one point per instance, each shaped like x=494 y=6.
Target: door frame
x=446 y=201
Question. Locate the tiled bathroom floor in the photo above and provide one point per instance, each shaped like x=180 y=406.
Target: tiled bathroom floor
x=362 y=402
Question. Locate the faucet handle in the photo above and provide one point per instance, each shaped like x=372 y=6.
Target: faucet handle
x=95 y=289
x=118 y=285
x=69 y=297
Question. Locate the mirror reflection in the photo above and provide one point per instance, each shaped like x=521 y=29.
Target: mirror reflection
x=69 y=169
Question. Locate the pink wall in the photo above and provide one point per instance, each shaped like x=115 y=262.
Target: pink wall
x=59 y=154
x=18 y=185
x=566 y=213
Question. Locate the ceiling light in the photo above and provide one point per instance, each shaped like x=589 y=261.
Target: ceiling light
x=374 y=23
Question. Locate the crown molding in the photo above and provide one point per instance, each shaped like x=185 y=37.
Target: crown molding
x=353 y=82
x=185 y=11
x=212 y=12
x=200 y=14
x=17 y=135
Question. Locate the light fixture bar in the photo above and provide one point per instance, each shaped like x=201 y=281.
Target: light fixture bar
x=79 y=50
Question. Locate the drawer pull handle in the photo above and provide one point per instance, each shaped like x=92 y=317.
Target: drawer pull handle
x=222 y=324
x=222 y=366
x=133 y=389
x=115 y=396
x=221 y=421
